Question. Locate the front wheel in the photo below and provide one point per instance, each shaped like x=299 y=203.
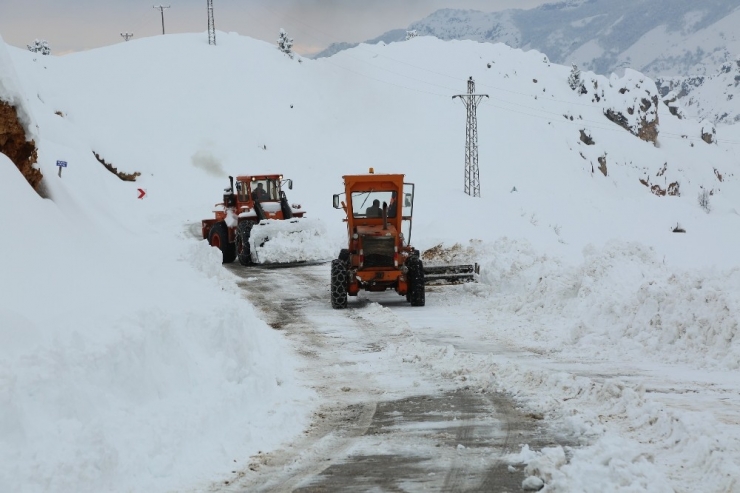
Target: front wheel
x=416 y=294
x=243 y=251
x=339 y=275
x=218 y=237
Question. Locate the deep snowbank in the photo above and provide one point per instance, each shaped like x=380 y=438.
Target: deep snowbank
x=128 y=361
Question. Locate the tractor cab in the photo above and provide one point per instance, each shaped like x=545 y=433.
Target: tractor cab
x=260 y=188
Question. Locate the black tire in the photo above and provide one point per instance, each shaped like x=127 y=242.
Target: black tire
x=416 y=294
x=344 y=256
x=243 y=250
x=338 y=284
x=218 y=237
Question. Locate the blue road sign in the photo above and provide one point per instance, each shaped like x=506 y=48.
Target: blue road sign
x=62 y=164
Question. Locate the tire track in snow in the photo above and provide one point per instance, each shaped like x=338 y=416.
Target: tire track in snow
x=425 y=432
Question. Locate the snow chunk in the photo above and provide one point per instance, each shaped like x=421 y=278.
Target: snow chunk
x=533 y=483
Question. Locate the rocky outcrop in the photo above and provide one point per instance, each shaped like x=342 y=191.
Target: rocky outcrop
x=648 y=127
x=13 y=144
x=647 y=123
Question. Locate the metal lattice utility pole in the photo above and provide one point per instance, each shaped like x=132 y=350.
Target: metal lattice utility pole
x=161 y=10
x=127 y=36
x=471 y=102
x=211 y=25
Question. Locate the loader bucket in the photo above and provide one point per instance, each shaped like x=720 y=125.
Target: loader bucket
x=435 y=275
x=290 y=241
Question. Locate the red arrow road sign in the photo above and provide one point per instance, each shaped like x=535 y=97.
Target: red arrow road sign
x=142 y=192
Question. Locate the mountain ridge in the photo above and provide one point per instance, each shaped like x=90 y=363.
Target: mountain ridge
x=659 y=38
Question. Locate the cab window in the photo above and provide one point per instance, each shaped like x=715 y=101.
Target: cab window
x=370 y=204
x=264 y=190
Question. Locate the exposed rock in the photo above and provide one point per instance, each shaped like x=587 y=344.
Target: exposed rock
x=120 y=174
x=586 y=139
x=673 y=189
x=618 y=118
x=648 y=130
x=643 y=116
x=602 y=164
x=13 y=144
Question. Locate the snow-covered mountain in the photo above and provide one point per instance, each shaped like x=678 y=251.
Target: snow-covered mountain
x=658 y=38
x=683 y=43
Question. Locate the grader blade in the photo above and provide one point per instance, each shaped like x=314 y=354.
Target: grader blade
x=450 y=274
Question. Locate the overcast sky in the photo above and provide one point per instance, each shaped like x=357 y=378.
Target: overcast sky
x=75 y=25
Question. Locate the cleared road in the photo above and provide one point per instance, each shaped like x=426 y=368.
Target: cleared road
x=384 y=422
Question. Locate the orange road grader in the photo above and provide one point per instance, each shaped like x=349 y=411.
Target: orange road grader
x=379 y=256
x=254 y=209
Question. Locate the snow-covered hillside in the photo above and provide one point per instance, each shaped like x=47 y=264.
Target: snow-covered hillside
x=129 y=362
x=682 y=43
x=714 y=97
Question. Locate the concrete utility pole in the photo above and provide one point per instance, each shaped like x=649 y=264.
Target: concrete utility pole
x=471 y=102
x=127 y=36
x=211 y=24
x=161 y=11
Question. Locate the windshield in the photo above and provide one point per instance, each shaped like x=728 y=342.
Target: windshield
x=370 y=204
x=263 y=190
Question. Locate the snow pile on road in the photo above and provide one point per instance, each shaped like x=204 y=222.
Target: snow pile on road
x=294 y=240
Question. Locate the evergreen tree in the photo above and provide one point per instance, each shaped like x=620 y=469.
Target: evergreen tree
x=285 y=43
x=40 y=46
x=411 y=34
x=574 y=79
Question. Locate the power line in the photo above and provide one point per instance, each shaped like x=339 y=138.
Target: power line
x=127 y=36
x=161 y=11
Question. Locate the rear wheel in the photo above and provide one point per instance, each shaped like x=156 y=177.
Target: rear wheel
x=338 y=284
x=416 y=294
x=243 y=251
x=218 y=237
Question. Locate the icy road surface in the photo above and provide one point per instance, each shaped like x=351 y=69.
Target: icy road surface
x=442 y=398
x=387 y=422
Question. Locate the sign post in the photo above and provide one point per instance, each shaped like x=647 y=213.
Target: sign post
x=61 y=164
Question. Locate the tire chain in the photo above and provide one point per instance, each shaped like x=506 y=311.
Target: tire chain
x=338 y=284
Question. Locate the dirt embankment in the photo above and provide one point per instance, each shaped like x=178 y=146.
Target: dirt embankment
x=14 y=145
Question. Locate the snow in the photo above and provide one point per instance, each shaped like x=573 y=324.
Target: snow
x=294 y=240
x=129 y=361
